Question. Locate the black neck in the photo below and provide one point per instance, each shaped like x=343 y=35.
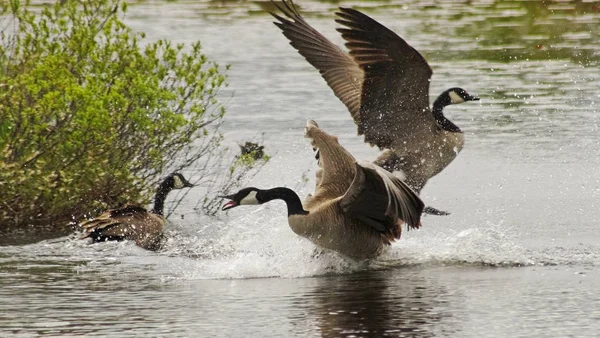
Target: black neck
x=291 y=199
x=438 y=113
x=159 y=198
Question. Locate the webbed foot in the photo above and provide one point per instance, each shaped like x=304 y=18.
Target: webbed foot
x=433 y=211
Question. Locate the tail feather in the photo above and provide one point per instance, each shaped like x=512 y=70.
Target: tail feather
x=382 y=201
x=402 y=200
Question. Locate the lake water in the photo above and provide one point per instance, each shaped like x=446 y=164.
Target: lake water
x=518 y=257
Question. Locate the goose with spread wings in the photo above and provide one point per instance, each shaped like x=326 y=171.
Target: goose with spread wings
x=384 y=83
x=358 y=208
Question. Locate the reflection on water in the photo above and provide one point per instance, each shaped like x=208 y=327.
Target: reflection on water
x=122 y=298
x=473 y=30
x=378 y=304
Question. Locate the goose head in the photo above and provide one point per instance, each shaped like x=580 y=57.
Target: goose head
x=246 y=196
x=457 y=95
x=177 y=181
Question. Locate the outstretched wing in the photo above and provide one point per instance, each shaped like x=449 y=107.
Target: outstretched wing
x=395 y=89
x=338 y=69
x=335 y=162
x=382 y=200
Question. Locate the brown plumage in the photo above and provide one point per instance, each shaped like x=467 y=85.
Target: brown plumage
x=384 y=83
x=357 y=208
x=133 y=222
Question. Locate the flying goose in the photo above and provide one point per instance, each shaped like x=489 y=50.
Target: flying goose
x=384 y=83
x=135 y=222
x=358 y=208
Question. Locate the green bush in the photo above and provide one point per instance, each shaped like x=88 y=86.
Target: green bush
x=91 y=117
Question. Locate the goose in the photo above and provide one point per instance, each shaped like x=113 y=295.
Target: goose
x=134 y=222
x=384 y=83
x=357 y=210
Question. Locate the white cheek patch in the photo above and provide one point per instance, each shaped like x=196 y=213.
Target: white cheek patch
x=455 y=98
x=249 y=199
x=178 y=184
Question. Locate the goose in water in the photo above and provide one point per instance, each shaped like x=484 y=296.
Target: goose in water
x=358 y=208
x=384 y=83
x=134 y=222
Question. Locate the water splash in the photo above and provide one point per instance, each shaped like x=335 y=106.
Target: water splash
x=259 y=244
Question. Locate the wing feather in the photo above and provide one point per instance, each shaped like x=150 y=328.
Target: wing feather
x=382 y=200
x=395 y=90
x=115 y=223
x=338 y=69
x=336 y=163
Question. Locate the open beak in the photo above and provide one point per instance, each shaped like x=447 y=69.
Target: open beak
x=230 y=204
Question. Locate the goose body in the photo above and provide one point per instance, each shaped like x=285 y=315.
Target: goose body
x=422 y=158
x=134 y=222
x=357 y=209
x=384 y=83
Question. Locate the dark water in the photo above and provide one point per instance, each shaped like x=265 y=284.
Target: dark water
x=518 y=256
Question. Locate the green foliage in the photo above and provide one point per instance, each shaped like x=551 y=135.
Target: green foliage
x=91 y=117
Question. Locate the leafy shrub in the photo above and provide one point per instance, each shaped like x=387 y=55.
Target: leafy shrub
x=91 y=117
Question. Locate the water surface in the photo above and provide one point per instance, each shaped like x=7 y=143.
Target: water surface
x=518 y=256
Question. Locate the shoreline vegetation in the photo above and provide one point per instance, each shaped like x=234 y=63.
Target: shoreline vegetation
x=92 y=116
